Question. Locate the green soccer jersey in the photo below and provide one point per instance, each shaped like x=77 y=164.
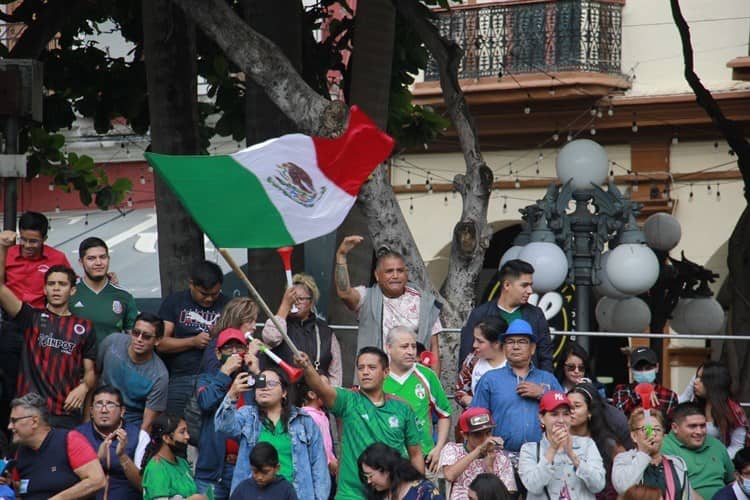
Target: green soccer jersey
x=509 y=317
x=421 y=388
x=111 y=310
x=363 y=424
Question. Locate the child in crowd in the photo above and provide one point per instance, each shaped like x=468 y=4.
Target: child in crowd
x=313 y=406
x=264 y=484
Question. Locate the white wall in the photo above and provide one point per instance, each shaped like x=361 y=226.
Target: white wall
x=651 y=43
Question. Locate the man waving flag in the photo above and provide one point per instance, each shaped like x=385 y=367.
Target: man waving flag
x=280 y=192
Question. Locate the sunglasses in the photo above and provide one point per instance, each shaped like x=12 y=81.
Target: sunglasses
x=135 y=333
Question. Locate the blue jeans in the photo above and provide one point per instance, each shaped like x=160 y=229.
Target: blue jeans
x=221 y=487
x=179 y=391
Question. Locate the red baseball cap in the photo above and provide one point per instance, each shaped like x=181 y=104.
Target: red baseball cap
x=476 y=419
x=230 y=334
x=553 y=400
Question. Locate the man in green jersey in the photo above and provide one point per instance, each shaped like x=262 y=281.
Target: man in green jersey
x=420 y=387
x=368 y=415
x=109 y=307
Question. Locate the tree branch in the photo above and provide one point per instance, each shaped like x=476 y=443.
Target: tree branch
x=38 y=33
x=729 y=129
x=261 y=60
x=471 y=235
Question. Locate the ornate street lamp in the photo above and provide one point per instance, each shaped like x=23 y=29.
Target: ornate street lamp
x=581 y=218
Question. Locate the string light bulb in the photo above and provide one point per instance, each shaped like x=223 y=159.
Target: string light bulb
x=143 y=179
x=675 y=139
x=570 y=136
x=518 y=183
x=505 y=204
x=593 y=130
x=593 y=111
x=510 y=168
x=130 y=201
x=635 y=182
x=527 y=110
x=57 y=208
x=445 y=200
x=51 y=186
x=718 y=192
x=411 y=205
x=634 y=127
x=691 y=195
x=408 y=180
x=556 y=136
x=611 y=111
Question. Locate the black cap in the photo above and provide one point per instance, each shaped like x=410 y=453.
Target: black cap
x=643 y=354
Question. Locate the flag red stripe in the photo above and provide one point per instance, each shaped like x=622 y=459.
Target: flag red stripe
x=350 y=158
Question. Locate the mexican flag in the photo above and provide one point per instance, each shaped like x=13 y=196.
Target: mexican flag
x=280 y=192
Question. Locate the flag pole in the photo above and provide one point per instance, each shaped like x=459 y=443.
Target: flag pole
x=262 y=303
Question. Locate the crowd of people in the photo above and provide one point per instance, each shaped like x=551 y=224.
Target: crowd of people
x=107 y=402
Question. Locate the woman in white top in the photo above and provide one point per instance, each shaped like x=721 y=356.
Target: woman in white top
x=488 y=355
x=560 y=466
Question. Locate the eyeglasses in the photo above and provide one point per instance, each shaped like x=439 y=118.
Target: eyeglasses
x=655 y=430
x=14 y=420
x=571 y=367
x=521 y=342
x=135 y=333
x=233 y=348
x=31 y=242
x=109 y=405
x=271 y=384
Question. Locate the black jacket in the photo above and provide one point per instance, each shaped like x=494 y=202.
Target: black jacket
x=544 y=354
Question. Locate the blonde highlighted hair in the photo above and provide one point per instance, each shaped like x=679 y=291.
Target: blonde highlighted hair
x=308 y=282
x=239 y=310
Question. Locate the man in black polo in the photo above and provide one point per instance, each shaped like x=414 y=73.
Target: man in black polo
x=50 y=461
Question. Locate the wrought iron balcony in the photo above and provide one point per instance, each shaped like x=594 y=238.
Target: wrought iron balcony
x=541 y=37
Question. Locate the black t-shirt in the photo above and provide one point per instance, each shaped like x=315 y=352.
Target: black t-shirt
x=189 y=319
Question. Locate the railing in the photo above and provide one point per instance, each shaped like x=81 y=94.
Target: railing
x=542 y=37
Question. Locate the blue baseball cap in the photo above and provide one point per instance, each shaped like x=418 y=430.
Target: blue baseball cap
x=519 y=327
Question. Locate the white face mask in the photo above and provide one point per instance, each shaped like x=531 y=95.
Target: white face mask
x=647 y=376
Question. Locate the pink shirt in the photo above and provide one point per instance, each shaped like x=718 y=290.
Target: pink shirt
x=502 y=468
x=321 y=420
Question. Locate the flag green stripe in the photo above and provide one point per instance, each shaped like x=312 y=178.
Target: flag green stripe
x=223 y=196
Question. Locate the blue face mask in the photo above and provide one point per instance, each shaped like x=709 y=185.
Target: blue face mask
x=745 y=486
x=647 y=376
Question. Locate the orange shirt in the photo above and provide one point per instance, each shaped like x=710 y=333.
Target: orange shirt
x=25 y=277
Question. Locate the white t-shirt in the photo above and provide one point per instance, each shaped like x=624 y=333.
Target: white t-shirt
x=480 y=368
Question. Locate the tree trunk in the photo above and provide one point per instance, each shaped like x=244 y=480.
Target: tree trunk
x=471 y=235
x=281 y=22
x=170 y=58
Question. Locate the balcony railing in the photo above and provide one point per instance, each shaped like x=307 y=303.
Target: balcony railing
x=542 y=37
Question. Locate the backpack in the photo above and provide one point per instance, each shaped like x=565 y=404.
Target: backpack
x=193 y=416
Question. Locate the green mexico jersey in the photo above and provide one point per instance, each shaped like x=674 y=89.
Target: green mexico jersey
x=421 y=388
x=111 y=310
x=363 y=424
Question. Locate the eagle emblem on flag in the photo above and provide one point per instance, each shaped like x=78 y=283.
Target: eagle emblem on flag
x=295 y=183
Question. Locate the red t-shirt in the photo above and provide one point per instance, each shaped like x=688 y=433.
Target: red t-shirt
x=25 y=277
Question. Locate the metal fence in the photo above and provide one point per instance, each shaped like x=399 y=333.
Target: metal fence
x=540 y=37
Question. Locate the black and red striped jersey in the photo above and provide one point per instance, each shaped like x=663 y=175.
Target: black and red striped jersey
x=53 y=353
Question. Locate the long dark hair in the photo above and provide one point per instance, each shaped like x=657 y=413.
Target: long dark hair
x=286 y=403
x=717 y=383
x=164 y=425
x=489 y=487
x=601 y=431
x=385 y=459
x=575 y=350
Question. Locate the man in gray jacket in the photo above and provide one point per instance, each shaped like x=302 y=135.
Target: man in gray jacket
x=391 y=302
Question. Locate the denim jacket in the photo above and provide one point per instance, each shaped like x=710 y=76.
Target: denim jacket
x=311 y=478
x=211 y=389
